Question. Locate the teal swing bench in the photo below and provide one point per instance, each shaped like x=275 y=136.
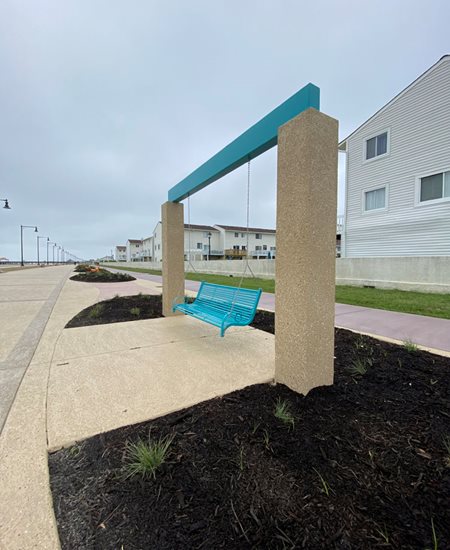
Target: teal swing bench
x=222 y=306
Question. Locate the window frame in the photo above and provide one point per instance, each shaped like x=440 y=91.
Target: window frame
x=385 y=208
x=417 y=193
x=373 y=135
x=258 y=236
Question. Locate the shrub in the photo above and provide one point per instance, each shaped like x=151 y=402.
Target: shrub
x=145 y=457
x=135 y=311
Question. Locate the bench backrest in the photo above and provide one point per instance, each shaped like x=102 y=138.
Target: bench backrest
x=223 y=299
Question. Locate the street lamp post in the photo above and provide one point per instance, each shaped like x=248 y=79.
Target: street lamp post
x=7 y=207
x=48 y=242
x=21 y=239
x=37 y=239
x=53 y=252
x=209 y=245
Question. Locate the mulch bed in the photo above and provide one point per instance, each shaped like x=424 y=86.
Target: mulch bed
x=364 y=466
x=119 y=309
x=102 y=276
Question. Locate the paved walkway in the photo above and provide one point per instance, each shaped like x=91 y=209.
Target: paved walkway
x=429 y=332
x=27 y=298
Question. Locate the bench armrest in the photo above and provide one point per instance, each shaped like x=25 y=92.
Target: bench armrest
x=176 y=301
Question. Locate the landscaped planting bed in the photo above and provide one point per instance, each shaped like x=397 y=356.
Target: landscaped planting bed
x=362 y=464
x=87 y=274
x=119 y=309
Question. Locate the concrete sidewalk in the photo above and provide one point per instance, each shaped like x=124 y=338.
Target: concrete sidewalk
x=428 y=332
x=35 y=306
x=27 y=298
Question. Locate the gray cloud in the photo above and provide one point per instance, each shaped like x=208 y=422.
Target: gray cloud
x=104 y=104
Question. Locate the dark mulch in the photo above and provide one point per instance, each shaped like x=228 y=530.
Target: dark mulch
x=119 y=309
x=237 y=477
x=102 y=276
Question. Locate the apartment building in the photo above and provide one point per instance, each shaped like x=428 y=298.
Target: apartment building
x=120 y=254
x=134 y=249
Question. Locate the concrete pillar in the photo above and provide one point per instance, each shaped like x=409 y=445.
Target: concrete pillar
x=306 y=250
x=172 y=255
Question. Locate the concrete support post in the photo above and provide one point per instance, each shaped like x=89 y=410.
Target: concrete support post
x=172 y=255
x=306 y=251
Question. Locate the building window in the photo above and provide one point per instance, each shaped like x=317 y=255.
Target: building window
x=375 y=200
x=257 y=247
x=236 y=235
x=377 y=146
x=235 y=247
x=264 y=247
x=273 y=248
x=435 y=187
x=199 y=246
x=258 y=236
x=242 y=235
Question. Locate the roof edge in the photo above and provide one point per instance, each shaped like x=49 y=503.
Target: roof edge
x=342 y=146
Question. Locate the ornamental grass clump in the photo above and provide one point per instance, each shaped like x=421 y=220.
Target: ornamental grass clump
x=96 y=311
x=145 y=457
x=282 y=412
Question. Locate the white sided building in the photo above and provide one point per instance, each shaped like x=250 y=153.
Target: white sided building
x=398 y=173
x=134 y=250
x=203 y=242
x=120 y=254
x=261 y=242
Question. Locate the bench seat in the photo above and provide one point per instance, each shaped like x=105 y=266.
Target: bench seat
x=222 y=306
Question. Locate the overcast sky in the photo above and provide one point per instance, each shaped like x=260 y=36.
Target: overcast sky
x=106 y=104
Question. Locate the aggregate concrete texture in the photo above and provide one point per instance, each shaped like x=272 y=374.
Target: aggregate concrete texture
x=306 y=244
x=135 y=371
x=173 y=255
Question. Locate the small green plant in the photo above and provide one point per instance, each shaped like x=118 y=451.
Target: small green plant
x=266 y=440
x=433 y=532
x=145 y=457
x=326 y=489
x=256 y=425
x=360 y=366
x=361 y=342
x=136 y=311
x=240 y=458
x=96 y=311
x=75 y=450
x=384 y=534
x=410 y=346
x=283 y=413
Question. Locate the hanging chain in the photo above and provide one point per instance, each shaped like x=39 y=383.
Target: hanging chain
x=189 y=234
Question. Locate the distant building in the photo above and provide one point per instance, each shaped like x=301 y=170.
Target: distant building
x=134 y=249
x=261 y=242
x=121 y=253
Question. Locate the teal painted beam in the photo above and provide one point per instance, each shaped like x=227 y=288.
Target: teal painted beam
x=258 y=139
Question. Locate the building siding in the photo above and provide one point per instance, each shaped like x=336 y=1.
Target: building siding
x=419 y=126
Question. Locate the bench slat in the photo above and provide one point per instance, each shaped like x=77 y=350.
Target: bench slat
x=222 y=306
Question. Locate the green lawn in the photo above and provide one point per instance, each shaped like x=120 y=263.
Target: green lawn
x=420 y=303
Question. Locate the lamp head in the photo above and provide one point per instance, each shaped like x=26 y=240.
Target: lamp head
x=7 y=205
x=35 y=229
